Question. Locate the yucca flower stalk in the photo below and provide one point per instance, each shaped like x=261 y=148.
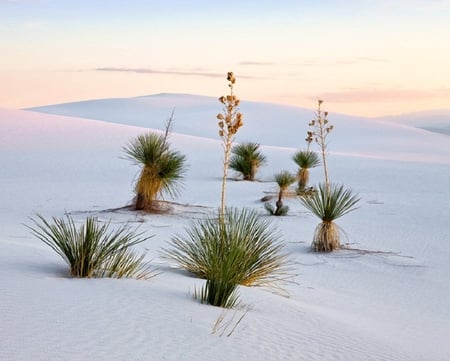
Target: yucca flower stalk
x=92 y=250
x=246 y=159
x=320 y=130
x=329 y=203
x=229 y=123
x=162 y=169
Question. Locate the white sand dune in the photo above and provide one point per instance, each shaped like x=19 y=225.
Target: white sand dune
x=268 y=124
x=433 y=120
x=390 y=304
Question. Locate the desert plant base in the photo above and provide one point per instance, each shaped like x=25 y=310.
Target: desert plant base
x=147 y=188
x=220 y=293
x=278 y=210
x=326 y=237
x=303 y=178
x=306 y=192
x=154 y=207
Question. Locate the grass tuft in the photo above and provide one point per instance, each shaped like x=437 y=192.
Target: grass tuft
x=92 y=250
x=241 y=250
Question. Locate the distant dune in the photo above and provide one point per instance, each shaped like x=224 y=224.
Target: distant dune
x=437 y=121
x=265 y=123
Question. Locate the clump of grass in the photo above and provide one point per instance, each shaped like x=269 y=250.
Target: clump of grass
x=305 y=159
x=284 y=179
x=329 y=203
x=92 y=250
x=246 y=159
x=241 y=250
x=162 y=171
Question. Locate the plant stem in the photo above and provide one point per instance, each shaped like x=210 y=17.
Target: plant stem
x=323 y=145
x=226 y=161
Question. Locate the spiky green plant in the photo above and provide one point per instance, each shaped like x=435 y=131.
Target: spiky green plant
x=162 y=169
x=92 y=250
x=329 y=203
x=243 y=249
x=284 y=179
x=305 y=159
x=246 y=159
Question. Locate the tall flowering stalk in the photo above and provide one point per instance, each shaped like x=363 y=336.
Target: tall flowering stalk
x=319 y=132
x=230 y=120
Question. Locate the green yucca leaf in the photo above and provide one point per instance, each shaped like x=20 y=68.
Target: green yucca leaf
x=306 y=159
x=284 y=179
x=330 y=204
x=162 y=171
x=146 y=149
x=246 y=159
x=244 y=249
x=92 y=250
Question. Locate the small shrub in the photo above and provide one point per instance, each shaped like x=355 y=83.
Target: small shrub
x=284 y=179
x=241 y=250
x=162 y=169
x=305 y=159
x=92 y=251
x=328 y=204
x=246 y=159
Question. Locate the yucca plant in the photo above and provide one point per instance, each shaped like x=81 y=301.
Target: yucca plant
x=284 y=179
x=241 y=250
x=162 y=169
x=246 y=159
x=234 y=247
x=305 y=159
x=92 y=250
x=329 y=203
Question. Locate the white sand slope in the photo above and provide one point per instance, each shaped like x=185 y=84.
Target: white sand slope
x=390 y=304
x=433 y=120
x=268 y=124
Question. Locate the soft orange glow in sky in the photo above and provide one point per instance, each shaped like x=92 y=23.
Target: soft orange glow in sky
x=362 y=57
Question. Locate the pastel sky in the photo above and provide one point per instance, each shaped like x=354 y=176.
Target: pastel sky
x=362 y=57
